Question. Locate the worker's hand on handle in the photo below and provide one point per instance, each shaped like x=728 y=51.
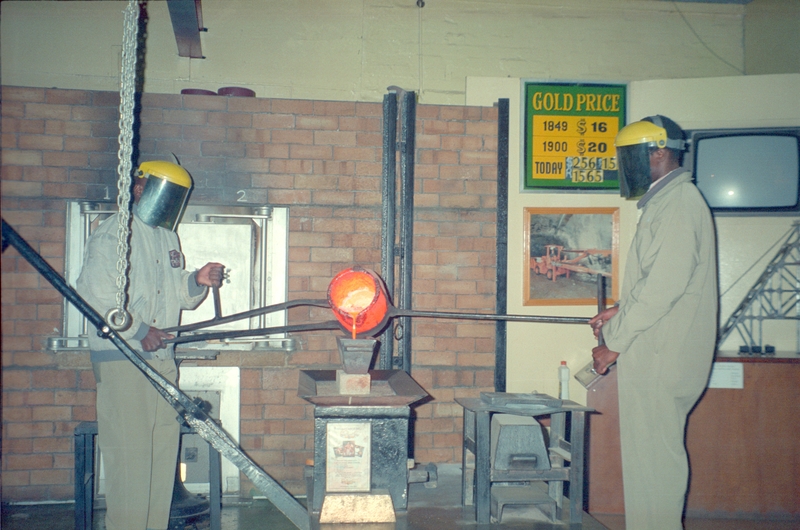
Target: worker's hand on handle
x=598 y=321
x=603 y=358
x=154 y=340
x=211 y=275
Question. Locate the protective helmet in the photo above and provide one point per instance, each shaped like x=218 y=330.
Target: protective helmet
x=634 y=143
x=165 y=193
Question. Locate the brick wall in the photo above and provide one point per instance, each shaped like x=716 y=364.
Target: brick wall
x=320 y=158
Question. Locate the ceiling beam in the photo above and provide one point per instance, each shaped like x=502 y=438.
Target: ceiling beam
x=187 y=23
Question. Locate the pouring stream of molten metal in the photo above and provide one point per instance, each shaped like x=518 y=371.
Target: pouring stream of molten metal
x=355 y=302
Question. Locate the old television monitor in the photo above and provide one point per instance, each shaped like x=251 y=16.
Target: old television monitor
x=748 y=171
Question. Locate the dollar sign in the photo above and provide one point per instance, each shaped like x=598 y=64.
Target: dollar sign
x=582 y=126
x=581 y=147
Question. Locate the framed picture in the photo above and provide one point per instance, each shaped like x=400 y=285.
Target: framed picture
x=565 y=250
x=569 y=135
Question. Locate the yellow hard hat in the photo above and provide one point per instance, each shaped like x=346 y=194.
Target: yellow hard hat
x=642 y=132
x=650 y=131
x=164 y=195
x=167 y=171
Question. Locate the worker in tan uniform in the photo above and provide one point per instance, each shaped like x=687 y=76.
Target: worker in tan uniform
x=662 y=334
x=138 y=433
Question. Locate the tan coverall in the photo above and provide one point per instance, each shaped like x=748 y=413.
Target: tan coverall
x=665 y=332
x=138 y=433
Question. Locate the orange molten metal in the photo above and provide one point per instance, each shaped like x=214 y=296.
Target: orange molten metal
x=359 y=301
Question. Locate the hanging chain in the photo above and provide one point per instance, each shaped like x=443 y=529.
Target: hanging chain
x=118 y=317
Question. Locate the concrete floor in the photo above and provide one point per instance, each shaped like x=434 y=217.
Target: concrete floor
x=436 y=508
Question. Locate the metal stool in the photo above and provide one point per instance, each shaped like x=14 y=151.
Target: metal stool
x=85 y=434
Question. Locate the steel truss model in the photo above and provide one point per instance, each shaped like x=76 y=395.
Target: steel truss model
x=775 y=296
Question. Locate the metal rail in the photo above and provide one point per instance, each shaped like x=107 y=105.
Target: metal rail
x=195 y=416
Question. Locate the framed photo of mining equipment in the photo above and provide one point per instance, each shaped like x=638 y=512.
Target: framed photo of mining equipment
x=569 y=136
x=565 y=250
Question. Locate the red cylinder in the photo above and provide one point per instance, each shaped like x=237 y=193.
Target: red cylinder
x=359 y=301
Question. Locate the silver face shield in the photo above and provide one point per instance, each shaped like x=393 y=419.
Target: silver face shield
x=162 y=203
x=634 y=170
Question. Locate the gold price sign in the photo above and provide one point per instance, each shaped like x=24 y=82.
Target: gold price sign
x=570 y=131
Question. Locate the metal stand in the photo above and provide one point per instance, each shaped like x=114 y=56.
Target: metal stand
x=477 y=440
x=389 y=426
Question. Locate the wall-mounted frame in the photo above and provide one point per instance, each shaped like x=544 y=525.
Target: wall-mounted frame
x=569 y=135
x=565 y=249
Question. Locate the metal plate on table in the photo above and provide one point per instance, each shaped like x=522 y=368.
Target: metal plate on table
x=505 y=399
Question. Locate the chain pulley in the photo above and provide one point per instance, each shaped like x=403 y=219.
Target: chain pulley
x=118 y=317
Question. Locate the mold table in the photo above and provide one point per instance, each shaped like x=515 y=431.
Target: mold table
x=477 y=440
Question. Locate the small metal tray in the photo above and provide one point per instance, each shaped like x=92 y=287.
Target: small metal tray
x=506 y=399
x=389 y=388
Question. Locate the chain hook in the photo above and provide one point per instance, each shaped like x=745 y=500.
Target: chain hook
x=118 y=320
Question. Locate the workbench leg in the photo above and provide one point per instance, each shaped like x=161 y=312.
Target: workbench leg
x=483 y=484
x=557 y=430
x=466 y=498
x=576 y=470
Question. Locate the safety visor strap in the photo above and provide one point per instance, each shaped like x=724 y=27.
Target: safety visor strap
x=680 y=145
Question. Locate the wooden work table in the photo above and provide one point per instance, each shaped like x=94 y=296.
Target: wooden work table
x=743 y=444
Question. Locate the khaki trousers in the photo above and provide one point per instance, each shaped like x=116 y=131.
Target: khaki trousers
x=138 y=435
x=655 y=398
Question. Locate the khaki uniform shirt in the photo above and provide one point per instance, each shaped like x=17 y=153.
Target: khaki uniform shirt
x=668 y=304
x=159 y=286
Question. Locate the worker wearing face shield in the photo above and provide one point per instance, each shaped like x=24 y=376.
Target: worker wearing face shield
x=662 y=334
x=138 y=433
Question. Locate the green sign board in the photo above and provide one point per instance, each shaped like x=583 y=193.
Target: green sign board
x=569 y=135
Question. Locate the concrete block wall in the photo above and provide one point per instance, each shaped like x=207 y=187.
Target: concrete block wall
x=320 y=158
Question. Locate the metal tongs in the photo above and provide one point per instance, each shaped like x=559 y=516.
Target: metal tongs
x=392 y=312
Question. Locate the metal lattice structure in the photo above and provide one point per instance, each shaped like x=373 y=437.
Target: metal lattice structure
x=775 y=296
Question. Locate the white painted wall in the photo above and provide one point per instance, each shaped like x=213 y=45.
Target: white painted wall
x=351 y=50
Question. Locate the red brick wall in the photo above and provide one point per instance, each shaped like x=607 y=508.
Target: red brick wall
x=323 y=160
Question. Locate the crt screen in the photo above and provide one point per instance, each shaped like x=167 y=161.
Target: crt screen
x=748 y=171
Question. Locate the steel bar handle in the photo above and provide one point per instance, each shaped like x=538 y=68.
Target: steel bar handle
x=217 y=303
x=492 y=317
x=223 y=335
x=247 y=314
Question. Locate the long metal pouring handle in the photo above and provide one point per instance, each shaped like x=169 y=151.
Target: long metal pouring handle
x=217 y=302
x=203 y=424
x=248 y=314
x=333 y=324
x=480 y=316
x=259 y=332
